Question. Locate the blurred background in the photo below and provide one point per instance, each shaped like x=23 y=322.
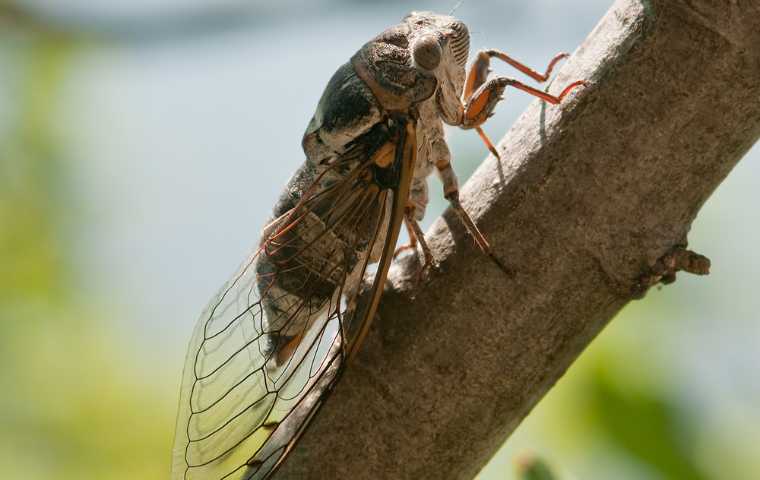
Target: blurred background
x=142 y=145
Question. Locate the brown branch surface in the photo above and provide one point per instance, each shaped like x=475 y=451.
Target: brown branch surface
x=588 y=199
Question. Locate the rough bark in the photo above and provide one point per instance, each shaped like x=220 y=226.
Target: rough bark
x=585 y=201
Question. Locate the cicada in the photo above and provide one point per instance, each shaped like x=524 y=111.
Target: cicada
x=274 y=341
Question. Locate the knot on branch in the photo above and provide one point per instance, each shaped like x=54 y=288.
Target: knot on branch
x=665 y=268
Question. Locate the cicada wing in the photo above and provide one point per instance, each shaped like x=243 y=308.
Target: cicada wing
x=272 y=343
x=406 y=156
x=239 y=407
x=241 y=403
x=225 y=398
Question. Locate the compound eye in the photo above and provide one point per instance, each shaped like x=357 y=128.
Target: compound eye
x=427 y=52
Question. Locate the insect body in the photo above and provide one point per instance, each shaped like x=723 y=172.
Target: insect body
x=273 y=342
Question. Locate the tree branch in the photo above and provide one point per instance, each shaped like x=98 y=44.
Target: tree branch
x=589 y=198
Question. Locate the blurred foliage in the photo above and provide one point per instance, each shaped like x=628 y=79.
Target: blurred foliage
x=33 y=261
x=615 y=415
x=70 y=397
x=642 y=422
x=532 y=468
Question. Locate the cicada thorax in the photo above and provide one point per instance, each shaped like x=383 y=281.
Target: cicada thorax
x=385 y=65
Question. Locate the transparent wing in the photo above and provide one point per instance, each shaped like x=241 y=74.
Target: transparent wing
x=236 y=397
x=271 y=344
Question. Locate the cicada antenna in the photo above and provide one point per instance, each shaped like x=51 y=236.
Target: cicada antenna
x=458 y=4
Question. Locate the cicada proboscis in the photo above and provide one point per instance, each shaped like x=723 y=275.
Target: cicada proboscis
x=274 y=341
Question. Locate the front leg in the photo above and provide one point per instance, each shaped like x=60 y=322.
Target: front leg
x=481 y=104
x=481 y=98
x=481 y=68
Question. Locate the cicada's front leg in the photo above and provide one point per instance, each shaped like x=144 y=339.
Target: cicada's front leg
x=480 y=69
x=481 y=96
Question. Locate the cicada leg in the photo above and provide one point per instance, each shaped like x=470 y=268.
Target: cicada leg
x=416 y=238
x=481 y=67
x=412 y=245
x=481 y=96
x=451 y=192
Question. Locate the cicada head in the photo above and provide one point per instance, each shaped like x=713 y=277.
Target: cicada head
x=450 y=34
x=440 y=44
